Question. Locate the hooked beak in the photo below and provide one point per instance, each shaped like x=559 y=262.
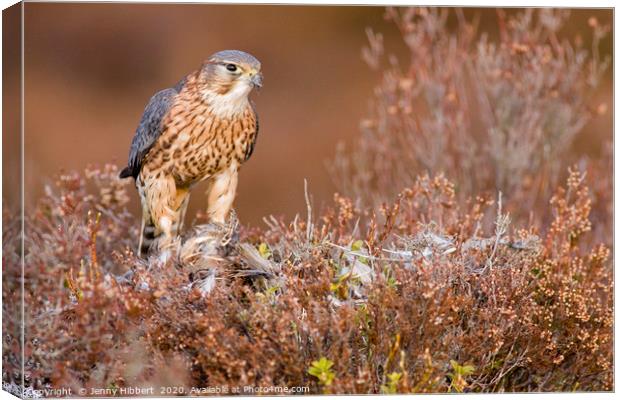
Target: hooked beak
x=257 y=80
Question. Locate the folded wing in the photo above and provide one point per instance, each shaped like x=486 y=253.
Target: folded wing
x=149 y=129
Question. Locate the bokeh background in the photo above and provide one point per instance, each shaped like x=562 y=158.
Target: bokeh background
x=91 y=68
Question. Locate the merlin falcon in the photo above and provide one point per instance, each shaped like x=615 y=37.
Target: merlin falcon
x=204 y=128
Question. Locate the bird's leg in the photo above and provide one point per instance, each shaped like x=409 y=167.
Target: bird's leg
x=182 y=210
x=221 y=194
x=165 y=204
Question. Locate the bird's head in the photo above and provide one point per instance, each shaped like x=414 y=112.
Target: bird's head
x=229 y=76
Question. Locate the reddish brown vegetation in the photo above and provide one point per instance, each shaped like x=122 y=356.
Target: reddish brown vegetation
x=528 y=310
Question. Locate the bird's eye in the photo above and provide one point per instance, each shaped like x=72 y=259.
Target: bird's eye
x=231 y=67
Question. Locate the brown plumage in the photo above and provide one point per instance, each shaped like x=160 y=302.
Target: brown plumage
x=203 y=128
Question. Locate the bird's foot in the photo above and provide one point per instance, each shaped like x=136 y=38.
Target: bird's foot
x=230 y=236
x=166 y=248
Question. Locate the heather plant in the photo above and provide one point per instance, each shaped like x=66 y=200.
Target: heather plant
x=418 y=296
x=494 y=114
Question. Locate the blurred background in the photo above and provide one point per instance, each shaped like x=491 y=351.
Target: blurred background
x=91 y=68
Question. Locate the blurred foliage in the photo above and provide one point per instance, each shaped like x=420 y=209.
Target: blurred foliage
x=492 y=114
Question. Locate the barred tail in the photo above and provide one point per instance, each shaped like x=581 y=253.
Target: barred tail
x=147 y=238
x=149 y=233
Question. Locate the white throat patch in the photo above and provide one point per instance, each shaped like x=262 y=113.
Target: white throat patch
x=230 y=104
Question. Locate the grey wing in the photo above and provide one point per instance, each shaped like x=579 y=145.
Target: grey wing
x=148 y=130
x=250 y=150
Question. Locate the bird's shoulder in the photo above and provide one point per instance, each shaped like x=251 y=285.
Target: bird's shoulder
x=151 y=126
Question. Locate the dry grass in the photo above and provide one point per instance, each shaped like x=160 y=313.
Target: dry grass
x=411 y=282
